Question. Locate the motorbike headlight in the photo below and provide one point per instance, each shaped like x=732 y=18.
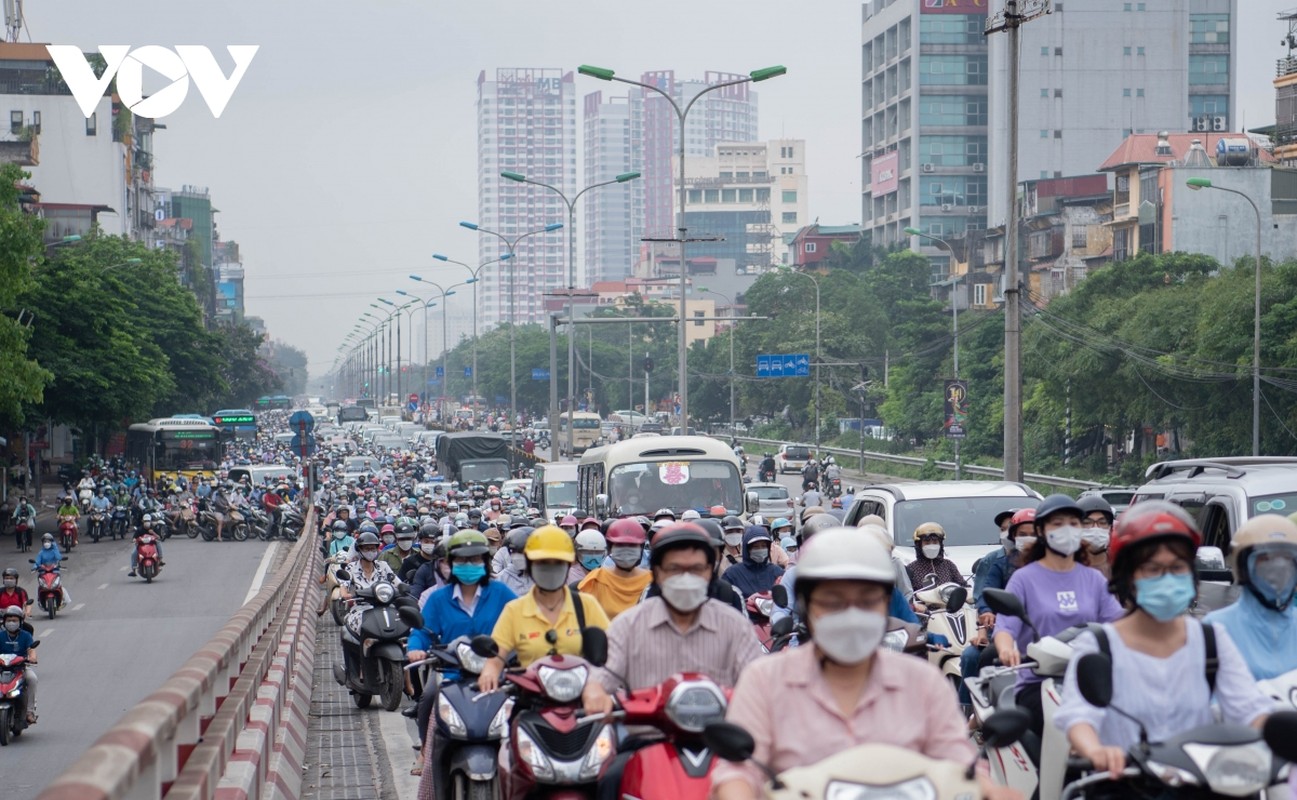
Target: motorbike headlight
x=896 y=640
x=563 y=685
x=692 y=705
x=600 y=750
x=913 y=789
x=383 y=592
x=531 y=755
x=1235 y=771
x=450 y=717
x=468 y=660
x=13 y=694
x=765 y=606
x=500 y=723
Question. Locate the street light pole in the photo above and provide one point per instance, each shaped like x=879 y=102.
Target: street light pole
x=817 y=349
x=1204 y=183
x=571 y=288
x=475 y=273
x=954 y=303
x=728 y=300
x=445 y=345
x=756 y=76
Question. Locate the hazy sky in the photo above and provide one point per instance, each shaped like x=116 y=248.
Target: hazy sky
x=347 y=156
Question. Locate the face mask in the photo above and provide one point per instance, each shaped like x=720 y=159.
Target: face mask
x=405 y=544
x=13 y=625
x=1025 y=543
x=931 y=551
x=339 y=534
x=760 y=556
x=1165 y=598
x=468 y=573
x=518 y=561
x=849 y=637
x=549 y=576
x=1006 y=542
x=592 y=562
x=1065 y=540
x=428 y=549
x=49 y=545
x=389 y=539
x=625 y=556
x=685 y=592
x=1097 y=541
x=369 y=555
x=10 y=583
x=1274 y=578
x=733 y=539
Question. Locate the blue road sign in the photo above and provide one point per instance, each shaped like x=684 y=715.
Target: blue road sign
x=468 y=372
x=296 y=444
x=783 y=365
x=301 y=418
x=441 y=372
x=763 y=366
x=538 y=374
x=803 y=365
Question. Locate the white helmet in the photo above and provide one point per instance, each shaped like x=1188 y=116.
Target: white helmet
x=590 y=539
x=845 y=554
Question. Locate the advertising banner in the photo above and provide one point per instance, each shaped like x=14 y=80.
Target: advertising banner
x=956 y=409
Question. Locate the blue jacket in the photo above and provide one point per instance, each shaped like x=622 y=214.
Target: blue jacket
x=15 y=645
x=993 y=572
x=748 y=576
x=1267 y=639
x=50 y=556
x=445 y=620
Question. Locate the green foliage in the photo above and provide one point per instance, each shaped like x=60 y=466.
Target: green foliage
x=22 y=379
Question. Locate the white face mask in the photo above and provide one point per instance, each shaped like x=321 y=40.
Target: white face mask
x=1065 y=540
x=931 y=551
x=1097 y=541
x=1025 y=543
x=339 y=534
x=760 y=556
x=625 y=556
x=404 y=544
x=12 y=625
x=428 y=549
x=685 y=592
x=369 y=555
x=849 y=637
x=518 y=561
x=1007 y=543
x=733 y=539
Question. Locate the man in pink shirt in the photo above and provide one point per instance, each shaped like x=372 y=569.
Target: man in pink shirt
x=842 y=690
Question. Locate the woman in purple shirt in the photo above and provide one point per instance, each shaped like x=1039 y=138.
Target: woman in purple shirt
x=1057 y=592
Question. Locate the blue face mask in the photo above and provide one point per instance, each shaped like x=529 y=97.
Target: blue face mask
x=468 y=573
x=1166 y=597
x=592 y=563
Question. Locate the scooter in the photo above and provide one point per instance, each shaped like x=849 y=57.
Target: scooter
x=84 y=497
x=1216 y=760
x=13 y=696
x=337 y=603
x=23 y=534
x=375 y=667
x=148 y=565
x=834 y=488
x=677 y=763
x=120 y=524
x=49 y=587
x=869 y=770
x=68 y=532
x=555 y=752
x=98 y=524
x=950 y=617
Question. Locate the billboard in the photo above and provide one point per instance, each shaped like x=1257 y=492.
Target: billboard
x=956 y=409
x=953 y=7
x=884 y=172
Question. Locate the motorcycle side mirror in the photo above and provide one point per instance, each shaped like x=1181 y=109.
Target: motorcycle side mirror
x=601 y=505
x=729 y=741
x=35 y=644
x=780 y=595
x=342 y=574
x=752 y=502
x=1005 y=603
x=594 y=646
x=1209 y=563
x=1005 y=727
x=410 y=616
x=1094 y=679
x=1280 y=734
x=31 y=561
x=485 y=646
x=782 y=627
x=957 y=599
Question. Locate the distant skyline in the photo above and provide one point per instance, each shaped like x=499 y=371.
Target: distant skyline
x=346 y=157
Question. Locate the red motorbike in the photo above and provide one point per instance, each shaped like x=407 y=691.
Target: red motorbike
x=49 y=588
x=676 y=763
x=68 y=532
x=555 y=751
x=148 y=565
x=13 y=696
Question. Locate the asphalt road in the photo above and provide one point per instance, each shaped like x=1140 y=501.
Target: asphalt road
x=119 y=641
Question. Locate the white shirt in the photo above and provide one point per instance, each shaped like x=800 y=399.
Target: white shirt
x=464 y=604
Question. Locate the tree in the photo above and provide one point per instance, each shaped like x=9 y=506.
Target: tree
x=22 y=379
x=246 y=374
x=289 y=364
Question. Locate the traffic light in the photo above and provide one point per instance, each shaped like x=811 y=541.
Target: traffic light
x=648 y=363
x=864 y=372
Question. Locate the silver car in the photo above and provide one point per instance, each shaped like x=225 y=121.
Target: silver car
x=773 y=500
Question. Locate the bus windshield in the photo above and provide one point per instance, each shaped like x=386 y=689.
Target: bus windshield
x=581 y=423
x=560 y=494
x=644 y=487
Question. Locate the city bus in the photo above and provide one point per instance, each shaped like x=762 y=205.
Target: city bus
x=236 y=423
x=174 y=446
x=639 y=476
x=586 y=431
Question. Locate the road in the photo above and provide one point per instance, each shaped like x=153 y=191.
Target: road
x=120 y=640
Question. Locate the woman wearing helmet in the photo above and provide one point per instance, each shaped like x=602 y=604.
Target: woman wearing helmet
x=510 y=562
x=1160 y=659
x=620 y=586
x=1057 y=592
x=1263 y=621
x=930 y=566
x=546 y=619
x=1096 y=525
x=843 y=689
x=363 y=573
x=591 y=550
x=16 y=641
x=11 y=594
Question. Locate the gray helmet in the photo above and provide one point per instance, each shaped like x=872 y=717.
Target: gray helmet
x=10 y=572
x=367 y=538
x=714 y=530
x=1096 y=502
x=340 y=525
x=429 y=531
x=12 y=611
x=516 y=540
x=818 y=522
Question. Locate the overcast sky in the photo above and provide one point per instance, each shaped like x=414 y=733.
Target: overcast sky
x=347 y=155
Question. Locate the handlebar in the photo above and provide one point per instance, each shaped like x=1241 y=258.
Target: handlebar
x=1077 y=787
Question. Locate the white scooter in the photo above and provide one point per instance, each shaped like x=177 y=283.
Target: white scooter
x=993 y=692
x=869 y=770
x=950 y=616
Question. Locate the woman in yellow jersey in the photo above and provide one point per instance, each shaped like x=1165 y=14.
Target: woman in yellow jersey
x=545 y=620
x=621 y=586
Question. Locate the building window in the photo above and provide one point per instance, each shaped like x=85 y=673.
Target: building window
x=15 y=121
x=92 y=124
x=1044 y=51
x=1044 y=93
x=1044 y=134
x=1125 y=51
x=1139 y=92
x=789 y=218
x=699 y=320
x=810 y=247
x=727 y=195
x=1079 y=238
x=745 y=195
x=1209 y=28
x=1208 y=69
x=1139 y=51
x=1058 y=92
x=1058 y=133
x=790 y=197
x=1125 y=92
x=979 y=294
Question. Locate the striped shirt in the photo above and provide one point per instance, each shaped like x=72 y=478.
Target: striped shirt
x=645 y=647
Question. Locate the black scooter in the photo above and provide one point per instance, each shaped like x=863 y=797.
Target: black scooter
x=376 y=667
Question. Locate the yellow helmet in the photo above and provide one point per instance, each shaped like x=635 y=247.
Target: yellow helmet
x=928 y=529
x=550 y=542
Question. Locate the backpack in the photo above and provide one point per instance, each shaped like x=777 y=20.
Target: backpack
x=1209 y=644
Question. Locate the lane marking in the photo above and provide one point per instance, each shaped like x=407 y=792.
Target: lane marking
x=397 y=734
x=125 y=569
x=78 y=607
x=46 y=632
x=259 y=576
x=103 y=586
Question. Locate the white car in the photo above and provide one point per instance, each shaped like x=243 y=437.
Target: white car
x=792 y=458
x=506 y=488
x=773 y=500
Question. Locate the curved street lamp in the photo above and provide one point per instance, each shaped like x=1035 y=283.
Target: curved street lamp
x=475 y=276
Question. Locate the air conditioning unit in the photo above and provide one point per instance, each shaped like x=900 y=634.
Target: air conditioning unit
x=947 y=207
x=1217 y=124
x=979 y=168
x=929 y=167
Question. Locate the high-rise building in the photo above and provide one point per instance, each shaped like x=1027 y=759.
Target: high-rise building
x=612 y=216
x=924 y=119
x=1095 y=72
x=526 y=123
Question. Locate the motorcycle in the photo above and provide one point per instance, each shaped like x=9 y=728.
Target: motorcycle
x=677 y=763
x=291 y=523
x=950 y=617
x=120 y=524
x=84 y=496
x=834 y=488
x=68 y=532
x=337 y=603
x=98 y=524
x=186 y=519
x=238 y=524
x=760 y=606
x=555 y=751
x=13 y=696
x=1219 y=760
x=23 y=534
x=49 y=587
x=768 y=475
x=869 y=769
x=146 y=551
x=376 y=666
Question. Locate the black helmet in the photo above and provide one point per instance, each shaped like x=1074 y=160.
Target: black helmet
x=1054 y=504
x=714 y=530
x=679 y=535
x=429 y=531
x=516 y=540
x=404 y=526
x=339 y=525
x=732 y=523
x=367 y=538
x=1093 y=503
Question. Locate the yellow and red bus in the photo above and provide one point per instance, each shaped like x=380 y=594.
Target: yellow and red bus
x=174 y=446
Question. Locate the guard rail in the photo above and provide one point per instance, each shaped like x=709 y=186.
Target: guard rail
x=949 y=466
x=228 y=723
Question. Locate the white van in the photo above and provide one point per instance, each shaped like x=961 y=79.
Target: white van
x=553 y=490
